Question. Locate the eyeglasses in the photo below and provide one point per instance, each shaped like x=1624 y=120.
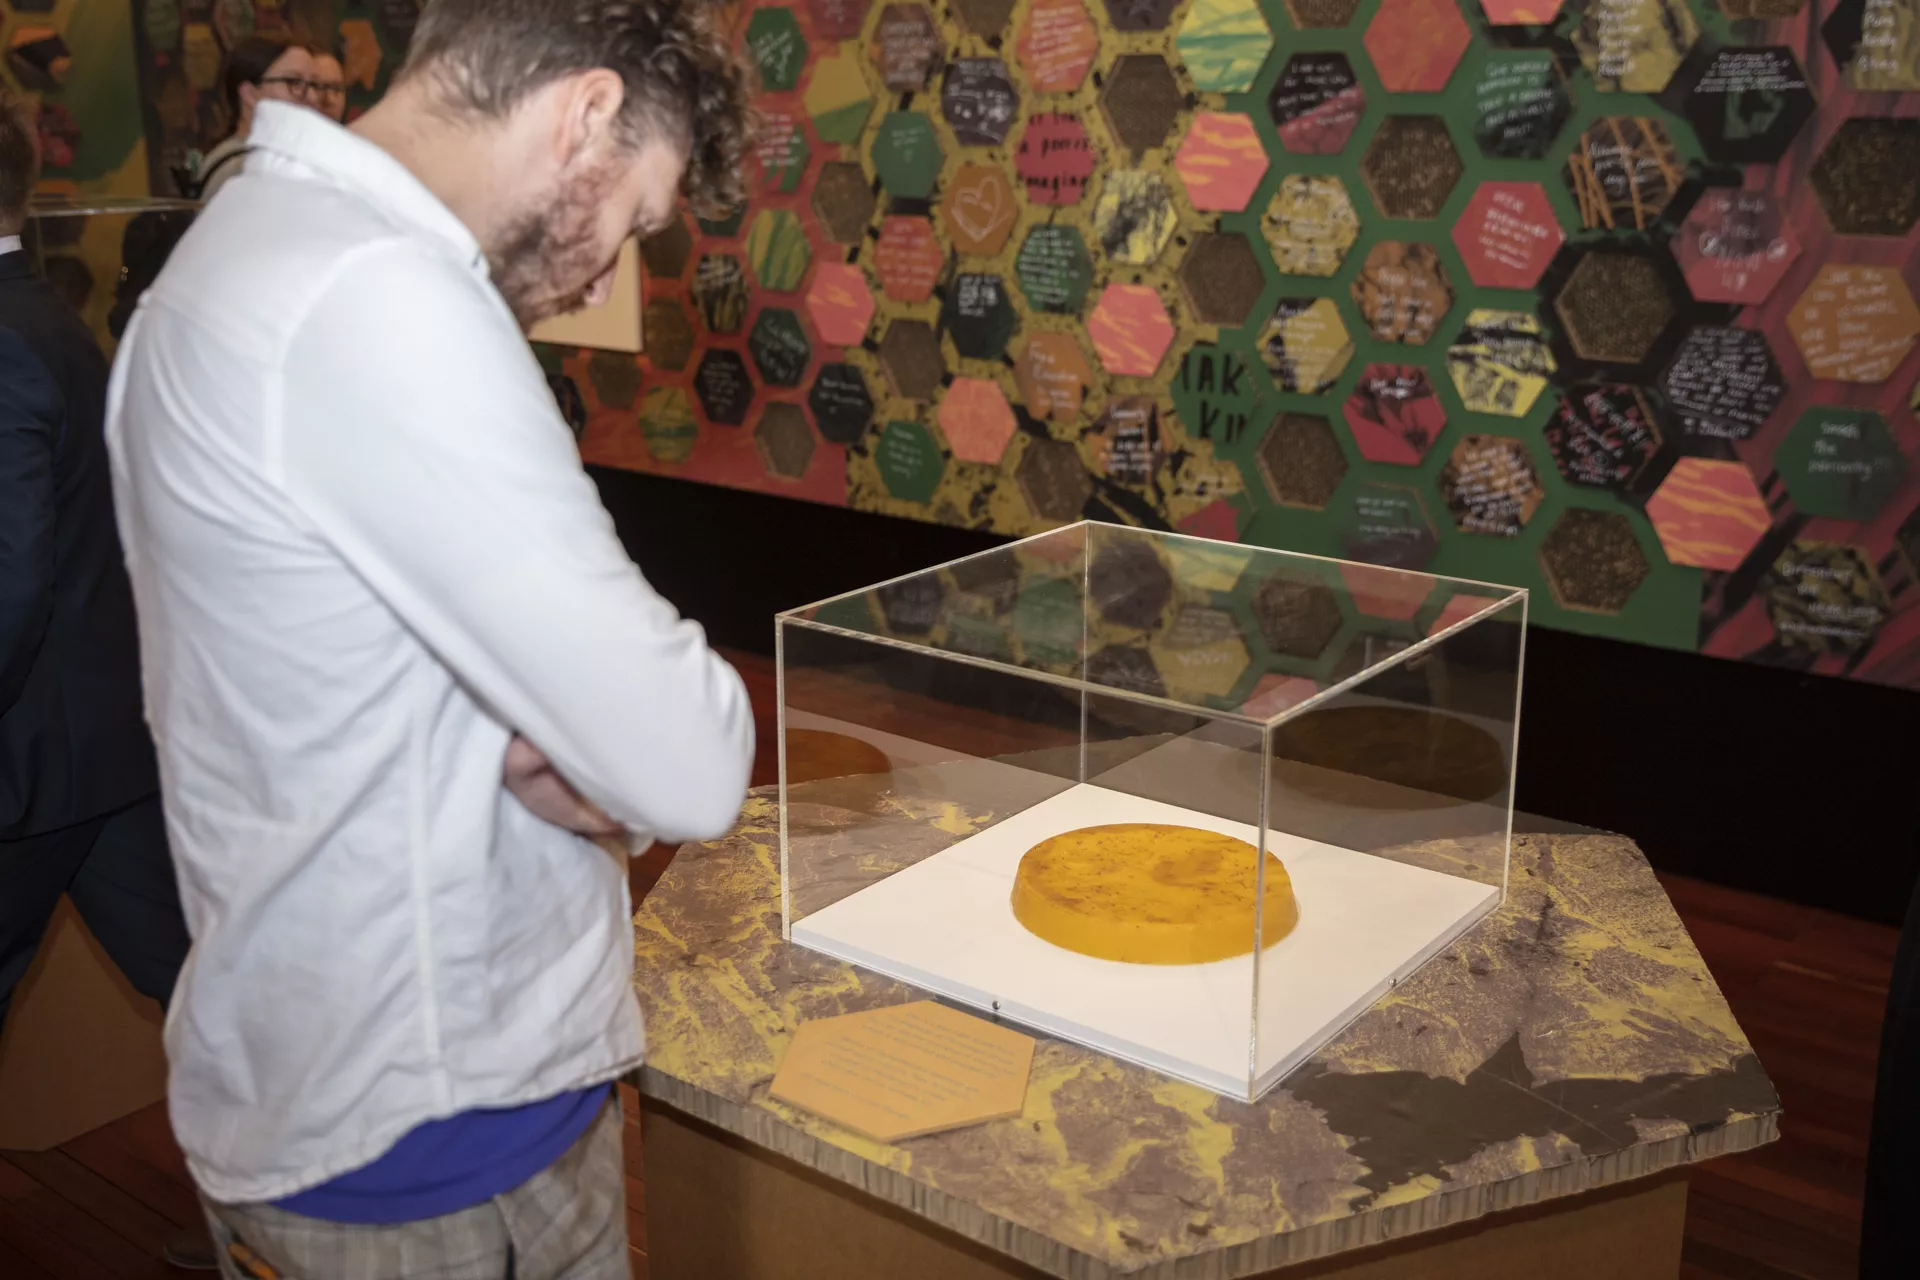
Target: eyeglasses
x=301 y=89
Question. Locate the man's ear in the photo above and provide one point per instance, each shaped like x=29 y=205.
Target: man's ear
x=590 y=107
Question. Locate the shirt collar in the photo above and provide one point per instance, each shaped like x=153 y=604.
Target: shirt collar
x=307 y=138
x=10 y=244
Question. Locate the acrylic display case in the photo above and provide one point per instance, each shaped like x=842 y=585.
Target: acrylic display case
x=1358 y=723
x=98 y=252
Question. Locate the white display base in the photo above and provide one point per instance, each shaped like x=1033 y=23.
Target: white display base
x=947 y=924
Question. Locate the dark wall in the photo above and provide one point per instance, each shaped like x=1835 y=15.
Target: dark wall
x=1769 y=780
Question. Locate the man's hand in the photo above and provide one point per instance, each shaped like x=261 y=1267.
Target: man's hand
x=548 y=796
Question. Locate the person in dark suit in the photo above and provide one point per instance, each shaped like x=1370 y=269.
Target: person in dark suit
x=79 y=803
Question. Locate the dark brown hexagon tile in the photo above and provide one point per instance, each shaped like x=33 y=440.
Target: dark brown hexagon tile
x=910 y=356
x=1141 y=101
x=1592 y=562
x=1222 y=278
x=1301 y=460
x=843 y=201
x=1410 y=165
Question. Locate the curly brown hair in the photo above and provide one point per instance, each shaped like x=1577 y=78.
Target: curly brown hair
x=682 y=79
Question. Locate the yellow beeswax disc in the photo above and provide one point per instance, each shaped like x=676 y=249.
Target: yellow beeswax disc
x=1147 y=893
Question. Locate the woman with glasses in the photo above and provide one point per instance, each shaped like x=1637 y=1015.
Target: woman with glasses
x=329 y=86
x=257 y=67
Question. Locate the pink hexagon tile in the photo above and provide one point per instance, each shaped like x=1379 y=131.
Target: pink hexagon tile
x=1709 y=513
x=1508 y=234
x=1221 y=161
x=1416 y=44
x=1130 y=330
x=840 y=303
x=976 y=420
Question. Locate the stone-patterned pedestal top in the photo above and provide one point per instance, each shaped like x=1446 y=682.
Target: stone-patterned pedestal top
x=1573 y=1040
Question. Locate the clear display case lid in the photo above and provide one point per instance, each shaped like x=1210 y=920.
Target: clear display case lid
x=1240 y=632
x=74 y=205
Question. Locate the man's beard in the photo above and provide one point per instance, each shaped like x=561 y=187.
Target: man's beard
x=546 y=263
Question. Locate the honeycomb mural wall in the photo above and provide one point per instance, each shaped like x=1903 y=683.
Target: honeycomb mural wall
x=1612 y=299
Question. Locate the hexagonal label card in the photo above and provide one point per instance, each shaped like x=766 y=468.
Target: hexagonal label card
x=1394 y=414
x=1623 y=173
x=907 y=47
x=1747 y=104
x=1840 y=463
x=1388 y=524
x=1052 y=375
x=903 y=1071
x=779 y=347
x=1854 y=323
x=724 y=386
x=785 y=441
x=1223 y=44
x=1722 y=383
x=1508 y=234
x=979 y=316
x=1520 y=102
x=1310 y=224
x=1141 y=101
x=976 y=420
x=1601 y=437
x=907 y=258
x=838 y=99
x=1402 y=291
x=1500 y=362
x=1306 y=345
x=776 y=47
x=1416 y=44
x=1734 y=246
x=907 y=155
x=1301 y=460
x=1130 y=330
x=1863 y=177
x=841 y=403
x=1708 y=513
x=840 y=303
x=1316 y=103
x=1490 y=486
x=910 y=463
x=1057 y=44
x=778 y=251
x=1825 y=597
x=1054 y=269
x=1055 y=159
x=1134 y=216
x=980 y=209
x=1221 y=161
x=1635 y=46
x=979 y=101
x=1615 y=305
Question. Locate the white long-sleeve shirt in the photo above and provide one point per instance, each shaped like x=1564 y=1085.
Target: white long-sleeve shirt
x=365 y=554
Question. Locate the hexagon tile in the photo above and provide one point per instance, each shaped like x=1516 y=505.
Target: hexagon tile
x=1316 y=103
x=1223 y=44
x=1734 y=246
x=1490 y=486
x=784 y=440
x=1053 y=375
x=1854 y=323
x=1748 y=103
x=1056 y=45
x=841 y=403
x=1127 y=440
x=1592 y=561
x=1134 y=216
x=1306 y=345
x=1520 y=104
x=1868 y=176
x=1623 y=173
x=1402 y=292
x=1221 y=161
x=910 y=462
x=1825 y=597
x=841 y=304
x=1708 y=513
x=1615 y=306
x=1130 y=330
x=1301 y=461
x=1054 y=269
x=1602 y=437
x=1310 y=224
x=837 y=98
x=1416 y=44
x=1393 y=414
x=906 y=155
x=1221 y=278
x=979 y=101
x=1635 y=46
x=1840 y=463
x=1500 y=362
x=1055 y=159
x=976 y=420
x=979 y=316
x=907 y=258
x=1722 y=383
x=1388 y=524
x=1508 y=234
x=907 y=47
x=1141 y=101
x=1410 y=166
x=980 y=209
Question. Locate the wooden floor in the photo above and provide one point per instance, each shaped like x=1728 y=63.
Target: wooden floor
x=1807 y=985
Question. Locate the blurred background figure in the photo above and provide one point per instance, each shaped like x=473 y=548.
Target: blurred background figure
x=258 y=68
x=329 y=86
x=79 y=795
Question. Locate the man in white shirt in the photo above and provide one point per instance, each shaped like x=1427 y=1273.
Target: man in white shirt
x=398 y=666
